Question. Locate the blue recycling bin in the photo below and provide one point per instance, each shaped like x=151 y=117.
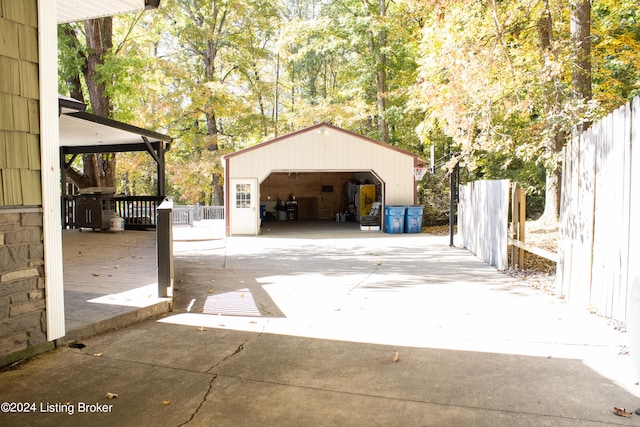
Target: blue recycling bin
x=413 y=219
x=394 y=219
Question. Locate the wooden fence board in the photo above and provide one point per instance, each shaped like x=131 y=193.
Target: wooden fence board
x=598 y=240
x=633 y=271
x=623 y=140
x=483 y=218
x=583 y=238
x=564 y=242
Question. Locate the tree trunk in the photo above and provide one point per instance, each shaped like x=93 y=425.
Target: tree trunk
x=98 y=170
x=99 y=41
x=581 y=45
x=553 y=185
x=381 y=92
x=553 y=108
x=581 y=80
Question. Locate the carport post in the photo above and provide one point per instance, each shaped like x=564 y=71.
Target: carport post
x=164 y=257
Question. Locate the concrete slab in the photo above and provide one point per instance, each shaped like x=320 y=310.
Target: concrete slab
x=475 y=347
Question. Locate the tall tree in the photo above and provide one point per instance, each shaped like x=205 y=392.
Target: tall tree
x=91 y=51
x=554 y=136
x=217 y=52
x=351 y=63
x=503 y=88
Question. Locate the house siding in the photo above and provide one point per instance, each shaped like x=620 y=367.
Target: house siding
x=22 y=278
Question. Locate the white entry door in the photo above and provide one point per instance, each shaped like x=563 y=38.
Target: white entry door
x=245 y=216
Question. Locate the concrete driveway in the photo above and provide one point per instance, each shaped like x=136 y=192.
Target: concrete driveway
x=336 y=282
x=339 y=327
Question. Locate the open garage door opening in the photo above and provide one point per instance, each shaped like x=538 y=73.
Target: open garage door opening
x=304 y=199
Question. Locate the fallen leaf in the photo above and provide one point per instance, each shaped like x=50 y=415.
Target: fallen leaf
x=201 y=328
x=622 y=412
x=241 y=295
x=165 y=402
x=112 y=395
x=210 y=290
x=97 y=354
x=396 y=356
x=95 y=274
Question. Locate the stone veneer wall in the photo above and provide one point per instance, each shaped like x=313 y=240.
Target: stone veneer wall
x=22 y=294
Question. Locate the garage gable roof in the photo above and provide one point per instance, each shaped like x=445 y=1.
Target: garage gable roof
x=417 y=160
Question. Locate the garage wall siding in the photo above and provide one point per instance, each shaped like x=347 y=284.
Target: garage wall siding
x=329 y=149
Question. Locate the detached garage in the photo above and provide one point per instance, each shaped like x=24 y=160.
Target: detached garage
x=321 y=172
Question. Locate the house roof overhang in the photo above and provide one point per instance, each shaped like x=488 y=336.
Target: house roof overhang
x=74 y=10
x=83 y=132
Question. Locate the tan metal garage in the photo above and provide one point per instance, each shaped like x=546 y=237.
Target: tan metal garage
x=319 y=172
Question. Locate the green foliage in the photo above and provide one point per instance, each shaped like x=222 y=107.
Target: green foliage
x=470 y=77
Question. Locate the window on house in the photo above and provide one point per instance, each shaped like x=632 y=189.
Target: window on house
x=243 y=195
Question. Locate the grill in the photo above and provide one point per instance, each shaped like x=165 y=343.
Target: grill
x=95 y=208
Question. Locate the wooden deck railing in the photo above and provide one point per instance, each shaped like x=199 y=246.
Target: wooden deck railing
x=138 y=212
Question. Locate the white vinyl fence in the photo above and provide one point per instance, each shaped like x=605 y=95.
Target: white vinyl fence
x=483 y=215
x=188 y=214
x=599 y=241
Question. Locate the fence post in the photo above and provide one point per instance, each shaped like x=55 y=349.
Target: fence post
x=518 y=220
x=164 y=258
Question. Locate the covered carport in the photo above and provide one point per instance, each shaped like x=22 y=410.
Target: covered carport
x=321 y=172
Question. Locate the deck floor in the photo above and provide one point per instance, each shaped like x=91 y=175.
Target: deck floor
x=107 y=275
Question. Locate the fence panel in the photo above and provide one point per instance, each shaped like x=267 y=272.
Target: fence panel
x=211 y=212
x=596 y=233
x=483 y=220
x=634 y=202
x=188 y=214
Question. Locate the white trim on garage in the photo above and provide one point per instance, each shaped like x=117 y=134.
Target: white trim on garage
x=326 y=148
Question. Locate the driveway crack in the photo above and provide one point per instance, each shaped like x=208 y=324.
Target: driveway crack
x=204 y=399
x=375 y=270
x=213 y=378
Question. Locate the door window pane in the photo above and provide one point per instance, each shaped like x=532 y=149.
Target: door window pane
x=243 y=195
